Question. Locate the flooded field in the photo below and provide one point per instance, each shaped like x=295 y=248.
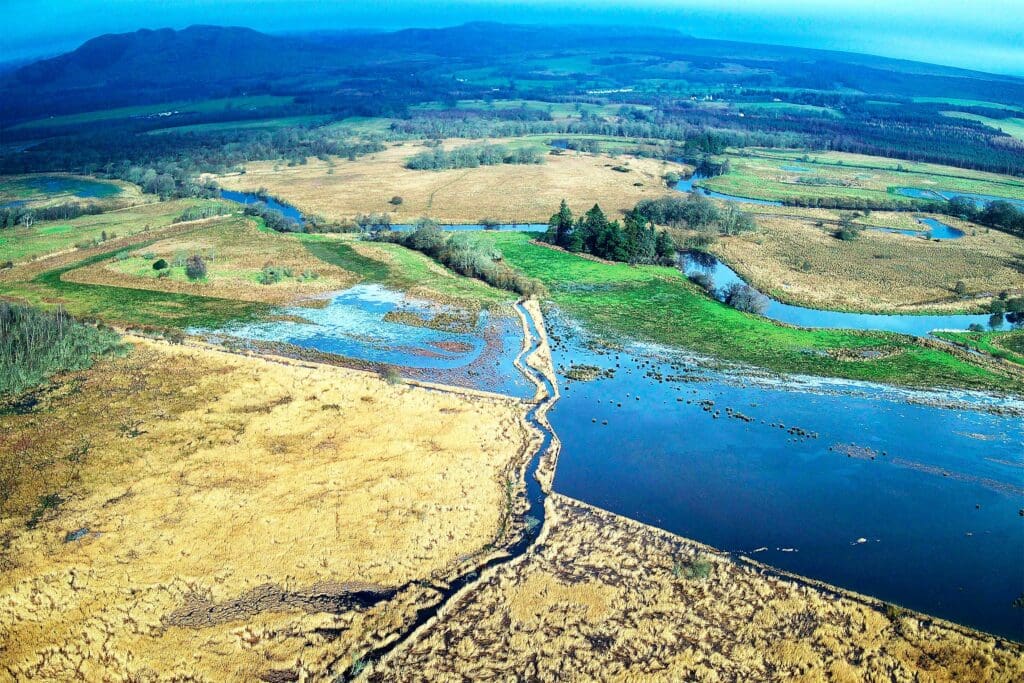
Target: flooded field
x=383 y=327
x=21 y=190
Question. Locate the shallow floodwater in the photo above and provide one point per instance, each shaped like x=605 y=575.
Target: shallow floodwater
x=861 y=486
x=920 y=325
x=352 y=324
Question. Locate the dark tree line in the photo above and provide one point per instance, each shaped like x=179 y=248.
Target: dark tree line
x=634 y=241
x=1001 y=215
x=11 y=216
x=169 y=165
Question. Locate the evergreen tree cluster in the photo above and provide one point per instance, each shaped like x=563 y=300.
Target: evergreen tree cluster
x=634 y=241
x=696 y=212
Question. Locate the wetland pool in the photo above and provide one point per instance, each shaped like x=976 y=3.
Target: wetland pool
x=383 y=327
x=42 y=187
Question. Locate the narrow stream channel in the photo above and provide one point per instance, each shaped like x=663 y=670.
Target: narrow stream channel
x=532 y=518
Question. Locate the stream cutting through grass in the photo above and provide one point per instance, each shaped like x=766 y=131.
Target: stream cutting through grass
x=918 y=325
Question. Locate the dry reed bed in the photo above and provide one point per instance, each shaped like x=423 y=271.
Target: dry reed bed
x=607 y=599
x=341 y=189
x=209 y=513
x=799 y=262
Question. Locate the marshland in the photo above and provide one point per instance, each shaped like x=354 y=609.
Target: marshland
x=452 y=354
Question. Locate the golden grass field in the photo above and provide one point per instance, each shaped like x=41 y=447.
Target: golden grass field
x=220 y=508
x=799 y=262
x=608 y=599
x=235 y=251
x=509 y=193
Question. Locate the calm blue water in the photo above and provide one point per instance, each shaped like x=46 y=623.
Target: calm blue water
x=795 y=169
x=920 y=325
x=352 y=325
x=51 y=185
x=287 y=210
x=979 y=199
x=937 y=507
x=937 y=230
x=686 y=185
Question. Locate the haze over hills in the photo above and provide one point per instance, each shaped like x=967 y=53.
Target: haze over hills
x=166 y=64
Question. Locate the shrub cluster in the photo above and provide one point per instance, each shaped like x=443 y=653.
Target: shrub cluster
x=34 y=344
x=635 y=241
x=471 y=156
x=466 y=256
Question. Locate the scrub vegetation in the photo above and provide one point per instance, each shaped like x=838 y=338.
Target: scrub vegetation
x=36 y=344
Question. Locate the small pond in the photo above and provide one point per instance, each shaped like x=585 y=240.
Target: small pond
x=937 y=230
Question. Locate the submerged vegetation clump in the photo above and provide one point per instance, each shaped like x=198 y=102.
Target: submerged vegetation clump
x=35 y=344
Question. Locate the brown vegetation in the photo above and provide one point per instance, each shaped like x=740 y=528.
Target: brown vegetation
x=606 y=598
x=211 y=515
x=800 y=262
x=514 y=193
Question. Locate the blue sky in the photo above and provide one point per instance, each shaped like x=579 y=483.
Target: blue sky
x=986 y=35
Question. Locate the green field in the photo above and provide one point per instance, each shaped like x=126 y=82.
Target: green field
x=123 y=305
x=20 y=244
x=1014 y=127
x=789 y=108
x=966 y=103
x=1006 y=345
x=182 y=106
x=269 y=123
x=403 y=269
x=657 y=304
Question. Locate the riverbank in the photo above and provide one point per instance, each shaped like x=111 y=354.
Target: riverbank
x=657 y=304
x=607 y=597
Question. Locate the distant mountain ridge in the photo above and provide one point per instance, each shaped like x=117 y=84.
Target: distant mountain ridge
x=149 y=66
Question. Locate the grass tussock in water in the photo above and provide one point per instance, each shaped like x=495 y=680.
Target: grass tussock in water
x=35 y=344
